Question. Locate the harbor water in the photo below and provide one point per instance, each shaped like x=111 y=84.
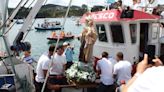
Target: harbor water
x=39 y=41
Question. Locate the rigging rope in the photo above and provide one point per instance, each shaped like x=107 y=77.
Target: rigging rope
x=31 y=25
x=8 y=19
x=24 y=11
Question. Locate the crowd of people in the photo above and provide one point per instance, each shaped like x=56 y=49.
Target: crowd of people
x=115 y=74
x=112 y=74
x=150 y=7
x=58 y=62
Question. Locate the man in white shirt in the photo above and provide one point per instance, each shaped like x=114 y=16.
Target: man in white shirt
x=106 y=77
x=59 y=62
x=122 y=70
x=42 y=68
x=58 y=68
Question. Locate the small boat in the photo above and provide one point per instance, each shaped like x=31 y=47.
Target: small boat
x=49 y=26
x=19 y=22
x=56 y=27
x=78 y=23
x=62 y=36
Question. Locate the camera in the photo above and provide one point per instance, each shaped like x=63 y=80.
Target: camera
x=22 y=46
x=150 y=50
x=18 y=45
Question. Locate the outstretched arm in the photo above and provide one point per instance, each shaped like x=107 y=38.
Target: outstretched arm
x=141 y=67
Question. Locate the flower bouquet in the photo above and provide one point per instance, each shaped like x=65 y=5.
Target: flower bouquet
x=80 y=73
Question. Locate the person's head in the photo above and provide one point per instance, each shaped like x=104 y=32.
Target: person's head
x=51 y=49
x=65 y=44
x=138 y=1
x=119 y=56
x=134 y=1
x=119 y=2
x=60 y=50
x=105 y=54
x=27 y=53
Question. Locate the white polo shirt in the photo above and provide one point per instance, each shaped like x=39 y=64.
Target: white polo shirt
x=42 y=64
x=58 y=62
x=152 y=80
x=123 y=70
x=106 y=68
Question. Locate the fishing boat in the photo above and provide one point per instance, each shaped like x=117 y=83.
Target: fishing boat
x=49 y=26
x=129 y=31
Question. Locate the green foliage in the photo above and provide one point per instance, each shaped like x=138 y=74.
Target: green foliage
x=51 y=11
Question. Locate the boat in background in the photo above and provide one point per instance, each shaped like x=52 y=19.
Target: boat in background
x=49 y=26
x=62 y=36
x=19 y=21
x=78 y=23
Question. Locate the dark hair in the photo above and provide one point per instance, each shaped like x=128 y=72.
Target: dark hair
x=120 y=55
x=52 y=48
x=105 y=54
x=59 y=47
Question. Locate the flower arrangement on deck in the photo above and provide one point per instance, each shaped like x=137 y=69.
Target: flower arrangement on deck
x=81 y=73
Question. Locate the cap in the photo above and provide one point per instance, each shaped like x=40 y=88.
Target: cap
x=65 y=43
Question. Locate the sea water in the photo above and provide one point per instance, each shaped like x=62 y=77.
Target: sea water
x=39 y=41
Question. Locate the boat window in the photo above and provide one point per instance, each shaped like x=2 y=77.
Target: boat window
x=101 y=32
x=133 y=33
x=117 y=34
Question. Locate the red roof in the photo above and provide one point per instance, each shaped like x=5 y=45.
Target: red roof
x=114 y=15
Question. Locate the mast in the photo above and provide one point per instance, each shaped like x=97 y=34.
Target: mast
x=30 y=17
x=14 y=12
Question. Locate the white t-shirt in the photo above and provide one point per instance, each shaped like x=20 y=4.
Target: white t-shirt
x=112 y=60
x=43 y=64
x=106 y=68
x=123 y=70
x=152 y=80
x=58 y=63
x=136 y=7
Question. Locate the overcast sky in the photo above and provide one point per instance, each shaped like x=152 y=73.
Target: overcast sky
x=13 y=3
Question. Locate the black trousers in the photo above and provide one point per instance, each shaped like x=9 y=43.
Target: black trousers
x=105 y=88
x=68 y=65
x=39 y=86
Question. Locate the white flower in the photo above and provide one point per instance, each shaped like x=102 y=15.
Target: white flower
x=81 y=72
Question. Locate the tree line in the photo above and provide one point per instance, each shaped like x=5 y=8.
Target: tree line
x=54 y=11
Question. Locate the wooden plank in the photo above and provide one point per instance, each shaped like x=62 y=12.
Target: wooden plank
x=54 y=86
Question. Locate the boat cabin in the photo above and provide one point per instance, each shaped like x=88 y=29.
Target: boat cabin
x=130 y=31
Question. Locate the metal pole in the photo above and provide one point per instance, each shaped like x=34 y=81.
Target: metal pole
x=5 y=39
x=8 y=20
x=47 y=75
